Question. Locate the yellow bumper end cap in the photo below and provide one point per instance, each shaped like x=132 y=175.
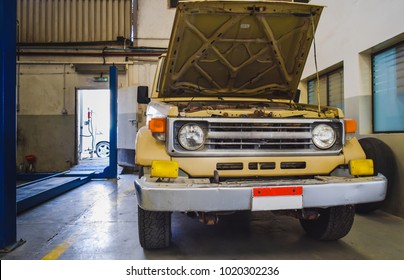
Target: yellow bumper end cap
x=361 y=167
x=164 y=169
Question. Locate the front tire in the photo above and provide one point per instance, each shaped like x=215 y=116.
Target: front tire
x=154 y=229
x=332 y=224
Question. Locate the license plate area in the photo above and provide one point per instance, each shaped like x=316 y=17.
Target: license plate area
x=277 y=198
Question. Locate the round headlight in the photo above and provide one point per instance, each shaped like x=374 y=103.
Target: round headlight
x=191 y=136
x=324 y=136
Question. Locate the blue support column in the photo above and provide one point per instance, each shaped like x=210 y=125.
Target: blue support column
x=8 y=225
x=112 y=171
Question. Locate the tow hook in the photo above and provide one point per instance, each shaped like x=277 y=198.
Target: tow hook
x=309 y=214
x=208 y=219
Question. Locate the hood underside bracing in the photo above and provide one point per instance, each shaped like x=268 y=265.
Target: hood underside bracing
x=238 y=49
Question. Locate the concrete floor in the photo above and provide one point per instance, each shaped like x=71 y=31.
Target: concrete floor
x=99 y=221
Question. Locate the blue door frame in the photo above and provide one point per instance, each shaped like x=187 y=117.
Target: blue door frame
x=8 y=225
x=111 y=171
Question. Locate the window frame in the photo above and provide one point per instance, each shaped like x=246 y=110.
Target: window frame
x=327 y=75
x=373 y=89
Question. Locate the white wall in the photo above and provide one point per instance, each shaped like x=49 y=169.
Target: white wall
x=348 y=33
x=154 y=23
x=349 y=27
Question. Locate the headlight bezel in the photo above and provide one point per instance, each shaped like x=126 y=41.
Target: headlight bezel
x=184 y=143
x=319 y=137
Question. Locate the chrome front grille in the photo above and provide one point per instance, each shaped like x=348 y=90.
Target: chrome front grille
x=261 y=136
x=254 y=137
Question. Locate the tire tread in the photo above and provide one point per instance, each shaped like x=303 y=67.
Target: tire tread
x=334 y=223
x=154 y=229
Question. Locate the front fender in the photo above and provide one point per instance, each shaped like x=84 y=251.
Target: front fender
x=148 y=148
x=353 y=150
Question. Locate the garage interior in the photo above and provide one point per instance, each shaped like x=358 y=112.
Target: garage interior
x=63 y=48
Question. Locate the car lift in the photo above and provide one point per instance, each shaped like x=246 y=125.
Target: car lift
x=45 y=186
x=35 y=192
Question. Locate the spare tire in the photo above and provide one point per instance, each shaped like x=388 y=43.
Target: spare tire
x=384 y=163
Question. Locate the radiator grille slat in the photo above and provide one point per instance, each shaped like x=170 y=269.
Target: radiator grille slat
x=261 y=136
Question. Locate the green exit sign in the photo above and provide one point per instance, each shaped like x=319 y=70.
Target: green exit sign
x=100 y=79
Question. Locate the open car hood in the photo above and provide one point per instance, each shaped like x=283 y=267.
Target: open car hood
x=238 y=49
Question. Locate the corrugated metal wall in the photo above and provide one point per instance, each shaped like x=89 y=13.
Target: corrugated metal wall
x=47 y=21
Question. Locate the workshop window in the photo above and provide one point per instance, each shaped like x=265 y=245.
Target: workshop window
x=388 y=89
x=331 y=89
x=172 y=3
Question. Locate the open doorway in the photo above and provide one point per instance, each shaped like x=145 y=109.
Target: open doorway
x=93 y=127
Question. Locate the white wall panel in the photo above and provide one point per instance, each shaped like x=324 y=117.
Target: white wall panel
x=154 y=23
x=49 y=21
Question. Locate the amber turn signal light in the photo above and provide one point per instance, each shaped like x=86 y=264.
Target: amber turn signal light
x=350 y=126
x=157 y=125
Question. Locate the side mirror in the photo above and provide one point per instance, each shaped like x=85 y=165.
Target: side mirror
x=143 y=95
x=297 y=96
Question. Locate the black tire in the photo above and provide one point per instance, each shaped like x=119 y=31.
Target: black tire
x=332 y=224
x=384 y=163
x=154 y=229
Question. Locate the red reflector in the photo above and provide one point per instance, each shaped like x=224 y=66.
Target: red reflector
x=278 y=191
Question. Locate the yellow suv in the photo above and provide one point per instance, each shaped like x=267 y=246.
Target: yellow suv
x=225 y=132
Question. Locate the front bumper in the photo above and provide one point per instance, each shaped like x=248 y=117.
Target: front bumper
x=323 y=191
